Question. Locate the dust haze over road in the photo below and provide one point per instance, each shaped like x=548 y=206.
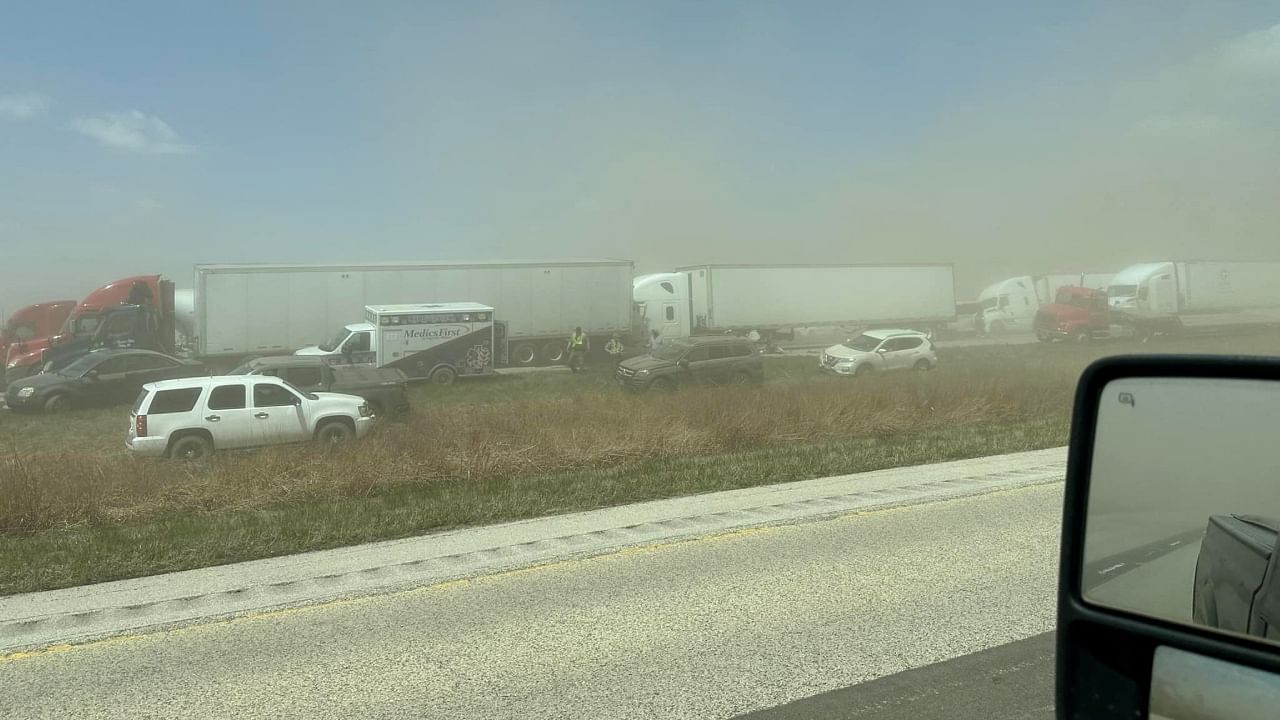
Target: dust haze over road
x=1005 y=140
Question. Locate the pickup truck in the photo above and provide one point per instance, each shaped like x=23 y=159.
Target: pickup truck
x=1237 y=585
x=385 y=389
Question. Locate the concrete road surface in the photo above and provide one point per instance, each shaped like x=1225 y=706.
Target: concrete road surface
x=707 y=628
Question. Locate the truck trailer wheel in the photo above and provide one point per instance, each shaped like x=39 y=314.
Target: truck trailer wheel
x=443 y=375
x=553 y=352
x=524 y=354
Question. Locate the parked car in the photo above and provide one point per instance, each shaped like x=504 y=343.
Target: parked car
x=695 y=360
x=97 y=378
x=878 y=351
x=193 y=417
x=385 y=389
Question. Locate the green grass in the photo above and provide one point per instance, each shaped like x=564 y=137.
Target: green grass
x=101 y=552
x=76 y=508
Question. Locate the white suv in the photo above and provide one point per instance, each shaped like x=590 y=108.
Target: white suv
x=192 y=417
x=880 y=350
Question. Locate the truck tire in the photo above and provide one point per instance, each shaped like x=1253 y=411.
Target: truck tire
x=56 y=403
x=192 y=446
x=333 y=432
x=524 y=354
x=443 y=375
x=553 y=352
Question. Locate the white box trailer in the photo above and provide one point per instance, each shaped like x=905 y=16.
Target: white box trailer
x=740 y=298
x=1169 y=297
x=271 y=309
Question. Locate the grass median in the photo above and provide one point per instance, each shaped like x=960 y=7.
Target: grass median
x=75 y=508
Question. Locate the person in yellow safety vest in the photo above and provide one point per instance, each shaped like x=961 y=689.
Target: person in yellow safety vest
x=579 y=345
x=615 y=348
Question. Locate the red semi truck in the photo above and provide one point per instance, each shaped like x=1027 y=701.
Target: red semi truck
x=30 y=328
x=1168 y=298
x=85 y=321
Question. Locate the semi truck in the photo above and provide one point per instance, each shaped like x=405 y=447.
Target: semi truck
x=121 y=301
x=773 y=300
x=243 y=310
x=1168 y=298
x=438 y=341
x=29 y=329
x=1010 y=305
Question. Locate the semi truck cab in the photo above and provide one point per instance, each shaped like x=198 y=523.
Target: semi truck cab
x=1077 y=314
x=83 y=322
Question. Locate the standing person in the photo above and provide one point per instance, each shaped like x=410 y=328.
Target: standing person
x=655 y=341
x=579 y=346
x=615 y=348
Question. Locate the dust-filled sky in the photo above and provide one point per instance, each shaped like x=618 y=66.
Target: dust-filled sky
x=1006 y=138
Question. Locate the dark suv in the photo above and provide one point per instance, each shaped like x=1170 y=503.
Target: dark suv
x=385 y=389
x=698 y=360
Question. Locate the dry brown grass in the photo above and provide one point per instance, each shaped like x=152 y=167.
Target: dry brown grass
x=524 y=437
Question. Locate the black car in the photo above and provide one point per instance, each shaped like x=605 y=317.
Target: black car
x=695 y=361
x=386 y=389
x=97 y=378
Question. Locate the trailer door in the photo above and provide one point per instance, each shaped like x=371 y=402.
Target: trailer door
x=1163 y=294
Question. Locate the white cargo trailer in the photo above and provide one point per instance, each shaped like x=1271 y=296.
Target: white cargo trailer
x=1195 y=295
x=771 y=298
x=268 y=309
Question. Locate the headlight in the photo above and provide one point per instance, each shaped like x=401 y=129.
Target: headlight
x=26 y=392
x=642 y=372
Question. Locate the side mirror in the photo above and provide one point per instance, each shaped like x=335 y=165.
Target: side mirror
x=882 y=350
x=91 y=375
x=1169 y=585
x=682 y=363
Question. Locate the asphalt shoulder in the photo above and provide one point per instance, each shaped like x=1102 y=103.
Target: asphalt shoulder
x=1001 y=683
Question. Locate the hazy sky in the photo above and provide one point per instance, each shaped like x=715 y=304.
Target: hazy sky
x=1003 y=137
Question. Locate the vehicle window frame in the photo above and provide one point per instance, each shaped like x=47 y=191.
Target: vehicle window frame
x=197 y=392
x=122 y=359
x=244 y=397
x=168 y=363
x=289 y=375
x=914 y=340
x=688 y=356
x=296 y=401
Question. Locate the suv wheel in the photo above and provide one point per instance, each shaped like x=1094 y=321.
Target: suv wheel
x=191 y=447
x=333 y=432
x=740 y=377
x=864 y=370
x=923 y=364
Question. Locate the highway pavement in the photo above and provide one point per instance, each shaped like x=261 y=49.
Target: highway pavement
x=751 y=620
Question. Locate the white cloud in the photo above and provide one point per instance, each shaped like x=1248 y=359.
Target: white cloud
x=1256 y=52
x=132 y=131
x=24 y=106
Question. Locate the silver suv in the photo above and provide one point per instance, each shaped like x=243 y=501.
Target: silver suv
x=878 y=351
